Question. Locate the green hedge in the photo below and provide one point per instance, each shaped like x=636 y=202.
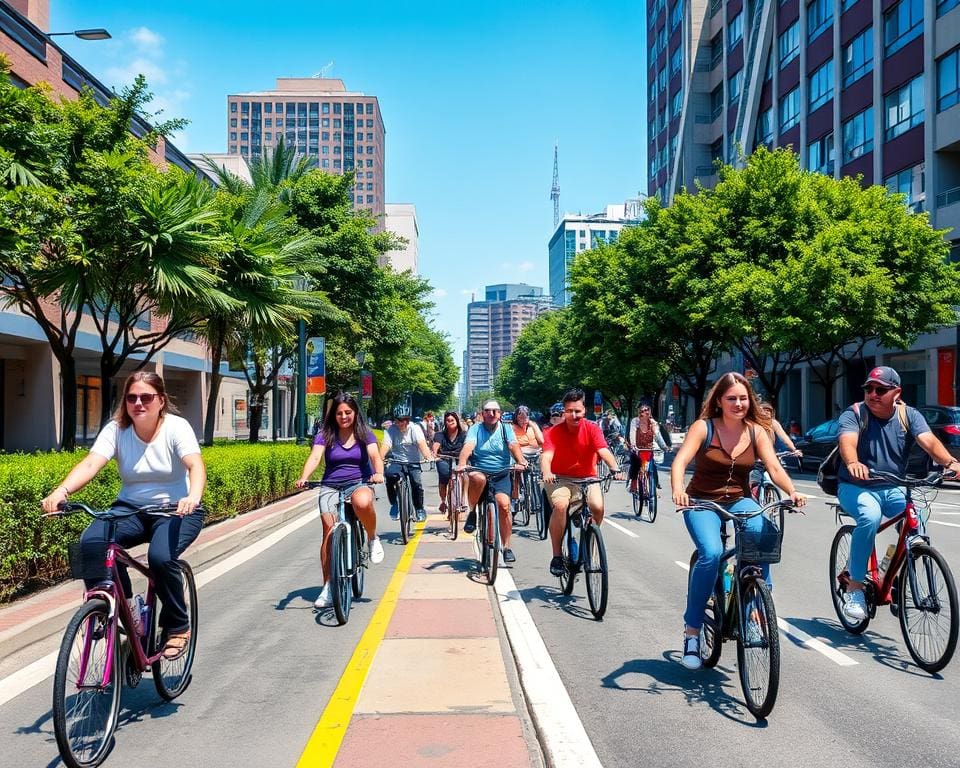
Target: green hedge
x=33 y=549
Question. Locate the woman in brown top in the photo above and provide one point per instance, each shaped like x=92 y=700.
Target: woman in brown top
x=722 y=474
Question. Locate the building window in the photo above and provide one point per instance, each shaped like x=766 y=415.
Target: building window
x=789 y=110
x=676 y=61
x=788 y=45
x=858 y=135
x=820 y=155
x=677 y=105
x=338 y=108
x=858 y=57
x=233 y=135
x=716 y=102
x=948 y=80
x=243 y=136
x=901 y=24
x=716 y=49
x=662 y=80
x=244 y=122
x=847 y=5
x=945 y=5
x=735 y=30
x=336 y=122
x=911 y=183
x=733 y=86
x=819 y=18
x=653 y=90
x=821 y=86
x=268 y=136
x=268 y=107
x=233 y=149
x=676 y=15
x=369 y=109
x=233 y=107
x=233 y=122
x=903 y=108
x=336 y=165
x=765 y=127
x=244 y=107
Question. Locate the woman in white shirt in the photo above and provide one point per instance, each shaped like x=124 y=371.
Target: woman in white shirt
x=159 y=462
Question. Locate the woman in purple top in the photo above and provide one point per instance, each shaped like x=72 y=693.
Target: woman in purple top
x=352 y=460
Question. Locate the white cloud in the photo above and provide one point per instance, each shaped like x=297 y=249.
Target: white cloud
x=439 y=293
x=467 y=291
x=526 y=266
x=146 y=40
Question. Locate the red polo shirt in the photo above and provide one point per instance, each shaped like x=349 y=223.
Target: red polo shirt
x=574 y=453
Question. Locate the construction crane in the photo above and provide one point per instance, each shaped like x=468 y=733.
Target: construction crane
x=555 y=189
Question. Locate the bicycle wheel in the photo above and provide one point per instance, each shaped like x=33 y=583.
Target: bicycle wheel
x=340 y=587
x=770 y=494
x=637 y=498
x=491 y=560
x=928 y=608
x=595 y=571
x=571 y=559
x=406 y=510
x=171 y=677
x=453 y=506
x=523 y=518
x=651 y=491
x=603 y=472
x=541 y=512
x=839 y=554
x=85 y=707
x=360 y=557
x=711 y=631
x=758 y=648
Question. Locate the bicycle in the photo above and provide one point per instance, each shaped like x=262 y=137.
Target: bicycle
x=405 y=498
x=620 y=456
x=589 y=555
x=488 y=524
x=529 y=488
x=92 y=666
x=924 y=602
x=647 y=485
x=349 y=558
x=763 y=490
x=454 y=497
x=743 y=609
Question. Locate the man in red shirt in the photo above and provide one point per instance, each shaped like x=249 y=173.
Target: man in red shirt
x=571 y=450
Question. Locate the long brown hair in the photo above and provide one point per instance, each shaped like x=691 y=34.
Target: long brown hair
x=711 y=405
x=121 y=416
x=331 y=429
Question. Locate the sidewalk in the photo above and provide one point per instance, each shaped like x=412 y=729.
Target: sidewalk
x=438 y=691
x=46 y=613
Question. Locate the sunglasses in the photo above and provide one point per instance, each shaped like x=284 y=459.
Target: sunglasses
x=146 y=398
x=644 y=410
x=880 y=391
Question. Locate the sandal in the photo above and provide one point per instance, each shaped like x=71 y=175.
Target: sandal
x=176 y=645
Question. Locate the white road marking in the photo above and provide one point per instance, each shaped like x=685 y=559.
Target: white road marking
x=562 y=735
x=622 y=529
x=944 y=522
x=38 y=671
x=804 y=639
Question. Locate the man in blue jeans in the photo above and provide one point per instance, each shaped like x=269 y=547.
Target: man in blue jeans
x=877 y=435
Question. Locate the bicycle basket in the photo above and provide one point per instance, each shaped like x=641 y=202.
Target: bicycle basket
x=87 y=561
x=762 y=546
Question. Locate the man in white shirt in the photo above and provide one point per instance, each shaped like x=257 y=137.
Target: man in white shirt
x=403 y=441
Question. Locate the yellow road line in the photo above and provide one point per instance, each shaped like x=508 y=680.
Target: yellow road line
x=325 y=741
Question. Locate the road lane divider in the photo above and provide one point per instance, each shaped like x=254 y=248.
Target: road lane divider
x=38 y=671
x=621 y=528
x=801 y=637
x=325 y=741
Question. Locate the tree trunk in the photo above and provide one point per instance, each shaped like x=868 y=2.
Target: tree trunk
x=209 y=423
x=256 y=416
x=108 y=370
x=68 y=394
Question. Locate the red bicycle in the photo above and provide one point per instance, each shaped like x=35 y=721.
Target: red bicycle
x=93 y=665
x=917 y=583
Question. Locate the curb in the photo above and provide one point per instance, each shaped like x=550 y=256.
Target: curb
x=235 y=536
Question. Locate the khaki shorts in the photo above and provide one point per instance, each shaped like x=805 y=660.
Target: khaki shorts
x=564 y=490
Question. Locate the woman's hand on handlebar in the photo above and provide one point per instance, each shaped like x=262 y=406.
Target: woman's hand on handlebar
x=376 y=477
x=52 y=503
x=680 y=498
x=798 y=498
x=187 y=505
x=302 y=482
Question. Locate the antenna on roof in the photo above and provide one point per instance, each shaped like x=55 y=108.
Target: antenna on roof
x=555 y=189
x=324 y=71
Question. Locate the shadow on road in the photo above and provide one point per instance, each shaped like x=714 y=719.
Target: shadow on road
x=888 y=651
x=667 y=676
x=551 y=597
x=459 y=565
x=307 y=594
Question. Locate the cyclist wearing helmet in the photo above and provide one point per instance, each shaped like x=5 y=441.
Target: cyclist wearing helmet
x=556 y=415
x=404 y=441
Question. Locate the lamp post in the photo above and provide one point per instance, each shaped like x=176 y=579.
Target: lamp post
x=85 y=34
x=300 y=426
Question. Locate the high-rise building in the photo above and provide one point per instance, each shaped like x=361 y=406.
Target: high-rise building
x=401 y=219
x=854 y=87
x=577 y=233
x=493 y=327
x=341 y=130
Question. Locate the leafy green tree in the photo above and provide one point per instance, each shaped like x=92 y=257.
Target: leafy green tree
x=535 y=373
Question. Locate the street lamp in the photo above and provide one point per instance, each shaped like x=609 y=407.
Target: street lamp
x=300 y=428
x=85 y=34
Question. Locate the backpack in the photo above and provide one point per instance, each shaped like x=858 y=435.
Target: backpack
x=827 y=474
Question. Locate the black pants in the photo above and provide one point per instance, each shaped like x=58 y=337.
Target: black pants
x=168 y=537
x=416 y=483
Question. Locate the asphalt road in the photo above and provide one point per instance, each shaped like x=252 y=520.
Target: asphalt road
x=641 y=707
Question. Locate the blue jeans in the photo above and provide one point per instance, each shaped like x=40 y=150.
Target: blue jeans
x=866 y=506
x=704 y=528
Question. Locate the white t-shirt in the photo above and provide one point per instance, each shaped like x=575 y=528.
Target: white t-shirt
x=405 y=445
x=150 y=473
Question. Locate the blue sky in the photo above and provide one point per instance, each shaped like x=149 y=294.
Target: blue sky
x=473 y=98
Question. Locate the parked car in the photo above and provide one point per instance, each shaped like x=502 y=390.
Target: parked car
x=944 y=421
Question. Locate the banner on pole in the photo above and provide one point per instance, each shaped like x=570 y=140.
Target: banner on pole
x=316 y=366
x=366 y=384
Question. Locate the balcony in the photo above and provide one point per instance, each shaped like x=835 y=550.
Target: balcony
x=948 y=212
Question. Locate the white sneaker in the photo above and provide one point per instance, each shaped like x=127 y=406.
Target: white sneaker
x=325 y=600
x=855 y=607
x=375 y=548
x=691 y=652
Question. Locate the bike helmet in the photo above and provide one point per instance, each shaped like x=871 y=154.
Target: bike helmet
x=556 y=409
x=401 y=412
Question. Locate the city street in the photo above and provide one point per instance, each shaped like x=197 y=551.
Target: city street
x=267 y=664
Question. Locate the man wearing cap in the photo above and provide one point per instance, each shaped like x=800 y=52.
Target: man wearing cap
x=489 y=447
x=877 y=437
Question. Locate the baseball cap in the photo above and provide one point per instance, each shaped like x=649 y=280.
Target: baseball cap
x=492 y=405
x=884 y=375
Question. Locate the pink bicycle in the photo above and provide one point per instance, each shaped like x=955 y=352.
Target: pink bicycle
x=93 y=663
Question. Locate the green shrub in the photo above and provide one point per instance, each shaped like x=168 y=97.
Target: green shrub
x=33 y=549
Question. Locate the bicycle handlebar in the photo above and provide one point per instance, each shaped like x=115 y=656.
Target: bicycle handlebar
x=580 y=480
x=156 y=510
x=929 y=481
x=726 y=514
x=311 y=484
